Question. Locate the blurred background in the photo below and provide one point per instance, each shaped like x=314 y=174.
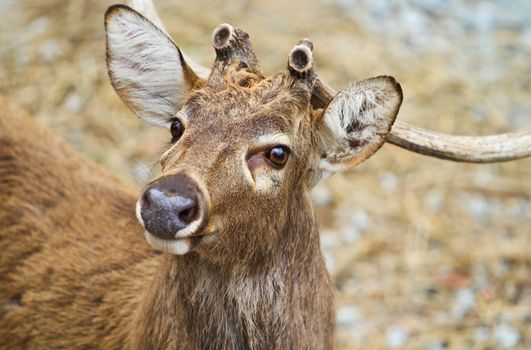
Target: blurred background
x=425 y=253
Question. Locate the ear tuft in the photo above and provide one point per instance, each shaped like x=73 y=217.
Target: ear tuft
x=355 y=124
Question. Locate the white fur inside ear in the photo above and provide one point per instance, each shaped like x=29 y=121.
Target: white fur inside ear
x=144 y=66
x=357 y=121
x=352 y=115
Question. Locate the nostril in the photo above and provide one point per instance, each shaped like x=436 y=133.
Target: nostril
x=188 y=215
x=147 y=199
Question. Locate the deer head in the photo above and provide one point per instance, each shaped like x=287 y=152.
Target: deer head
x=245 y=148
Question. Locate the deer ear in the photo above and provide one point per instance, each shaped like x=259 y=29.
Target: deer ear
x=147 y=69
x=356 y=122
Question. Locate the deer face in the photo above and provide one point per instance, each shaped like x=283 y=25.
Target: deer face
x=246 y=149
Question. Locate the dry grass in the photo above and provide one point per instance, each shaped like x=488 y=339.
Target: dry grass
x=433 y=251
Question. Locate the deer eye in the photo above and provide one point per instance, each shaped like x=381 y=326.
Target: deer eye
x=176 y=129
x=278 y=156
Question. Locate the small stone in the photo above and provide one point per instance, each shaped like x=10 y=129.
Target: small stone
x=349 y=234
x=329 y=261
x=321 y=195
x=416 y=27
x=520 y=209
x=329 y=240
x=434 y=201
x=477 y=206
x=483 y=177
x=348 y=316
x=503 y=267
x=518 y=115
x=74 y=102
x=465 y=300
x=481 y=334
x=481 y=278
x=506 y=336
x=360 y=220
x=480 y=18
x=512 y=292
x=50 y=50
x=38 y=26
x=438 y=345
x=396 y=337
x=440 y=318
x=526 y=37
x=23 y=57
x=388 y=182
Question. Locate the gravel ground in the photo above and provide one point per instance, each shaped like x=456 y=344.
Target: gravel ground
x=426 y=254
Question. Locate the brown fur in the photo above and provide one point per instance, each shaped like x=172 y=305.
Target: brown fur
x=75 y=270
x=77 y=273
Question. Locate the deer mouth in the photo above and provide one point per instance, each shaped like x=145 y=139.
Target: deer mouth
x=175 y=246
x=177 y=243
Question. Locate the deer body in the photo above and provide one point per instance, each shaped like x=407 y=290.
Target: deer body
x=234 y=261
x=83 y=277
x=58 y=213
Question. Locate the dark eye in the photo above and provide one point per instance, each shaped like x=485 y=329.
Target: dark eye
x=278 y=156
x=176 y=129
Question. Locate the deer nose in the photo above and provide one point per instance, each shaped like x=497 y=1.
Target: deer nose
x=170 y=206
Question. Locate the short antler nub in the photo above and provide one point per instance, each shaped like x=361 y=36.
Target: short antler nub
x=300 y=60
x=222 y=35
x=232 y=45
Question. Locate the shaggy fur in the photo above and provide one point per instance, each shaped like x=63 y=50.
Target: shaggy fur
x=75 y=269
x=76 y=272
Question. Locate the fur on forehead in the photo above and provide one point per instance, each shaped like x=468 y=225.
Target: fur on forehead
x=250 y=92
x=236 y=76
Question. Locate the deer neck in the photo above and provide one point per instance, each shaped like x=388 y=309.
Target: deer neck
x=244 y=306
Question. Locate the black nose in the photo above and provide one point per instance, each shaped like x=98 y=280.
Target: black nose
x=169 y=205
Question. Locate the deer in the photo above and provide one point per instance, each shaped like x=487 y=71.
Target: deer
x=233 y=258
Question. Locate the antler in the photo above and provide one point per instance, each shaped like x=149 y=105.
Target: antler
x=473 y=149
x=233 y=44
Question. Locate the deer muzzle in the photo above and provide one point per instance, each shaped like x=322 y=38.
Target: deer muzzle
x=172 y=207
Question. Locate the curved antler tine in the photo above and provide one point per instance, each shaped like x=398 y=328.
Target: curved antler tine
x=233 y=44
x=300 y=61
